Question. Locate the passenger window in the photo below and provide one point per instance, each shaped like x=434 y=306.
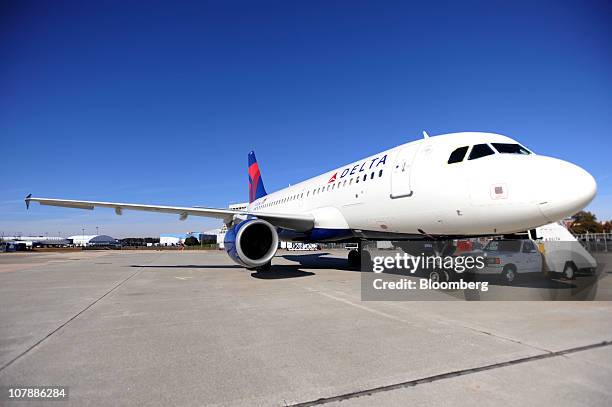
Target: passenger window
x=372 y=176
x=458 y=155
x=356 y=180
x=380 y=173
x=479 y=151
x=365 y=176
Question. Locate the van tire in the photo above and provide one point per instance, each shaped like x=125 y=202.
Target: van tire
x=438 y=276
x=509 y=274
x=569 y=271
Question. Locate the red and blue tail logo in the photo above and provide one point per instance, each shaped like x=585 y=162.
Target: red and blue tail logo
x=256 y=186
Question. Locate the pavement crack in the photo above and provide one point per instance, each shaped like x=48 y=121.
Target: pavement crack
x=25 y=352
x=505 y=338
x=447 y=375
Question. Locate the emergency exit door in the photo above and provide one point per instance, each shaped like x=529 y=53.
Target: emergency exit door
x=402 y=169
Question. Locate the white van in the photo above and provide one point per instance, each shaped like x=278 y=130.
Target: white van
x=509 y=258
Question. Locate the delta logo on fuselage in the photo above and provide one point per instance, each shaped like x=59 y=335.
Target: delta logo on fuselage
x=359 y=168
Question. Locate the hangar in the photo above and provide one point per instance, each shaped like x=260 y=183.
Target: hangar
x=93 y=240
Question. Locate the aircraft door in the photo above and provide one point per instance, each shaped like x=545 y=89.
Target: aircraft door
x=402 y=169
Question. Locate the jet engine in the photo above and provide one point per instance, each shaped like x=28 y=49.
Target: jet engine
x=252 y=243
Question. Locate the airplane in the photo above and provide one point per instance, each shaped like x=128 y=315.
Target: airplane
x=450 y=186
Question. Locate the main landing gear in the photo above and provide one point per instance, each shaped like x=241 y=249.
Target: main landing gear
x=356 y=258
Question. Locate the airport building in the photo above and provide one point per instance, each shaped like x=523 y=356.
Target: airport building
x=171 y=240
x=93 y=240
x=31 y=241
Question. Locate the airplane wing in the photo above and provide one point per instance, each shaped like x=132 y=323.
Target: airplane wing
x=297 y=222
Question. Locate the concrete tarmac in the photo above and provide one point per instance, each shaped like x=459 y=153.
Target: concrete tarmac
x=130 y=328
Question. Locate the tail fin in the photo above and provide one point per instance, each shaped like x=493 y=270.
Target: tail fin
x=256 y=186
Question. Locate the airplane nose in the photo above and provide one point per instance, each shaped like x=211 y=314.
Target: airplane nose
x=566 y=189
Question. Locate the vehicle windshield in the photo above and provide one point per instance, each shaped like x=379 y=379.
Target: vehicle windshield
x=503 y=246
x=508 y=148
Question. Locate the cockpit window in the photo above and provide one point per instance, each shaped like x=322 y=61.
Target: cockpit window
x=507 y=148
x=480 y=150
x=458 y=155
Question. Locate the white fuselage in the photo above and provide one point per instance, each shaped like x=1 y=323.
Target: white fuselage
x=412 y=189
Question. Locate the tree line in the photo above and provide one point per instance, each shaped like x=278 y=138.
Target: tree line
x=586 y=222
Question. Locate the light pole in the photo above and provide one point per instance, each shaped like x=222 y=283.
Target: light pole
x=97 y=231
x=83 y=240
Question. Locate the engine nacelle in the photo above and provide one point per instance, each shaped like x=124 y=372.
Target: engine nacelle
x=251 y=243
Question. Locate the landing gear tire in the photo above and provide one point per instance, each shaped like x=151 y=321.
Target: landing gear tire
x=509 y=274
x=354 y=259
x=569 y=271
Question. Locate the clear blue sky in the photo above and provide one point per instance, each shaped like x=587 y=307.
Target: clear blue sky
x=159 y=102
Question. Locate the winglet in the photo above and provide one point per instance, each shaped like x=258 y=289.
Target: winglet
x=27 y=201
x=425 y=135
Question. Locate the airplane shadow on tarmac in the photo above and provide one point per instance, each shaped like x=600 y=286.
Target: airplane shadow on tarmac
x=281 y=272
x=318 y=261
x=310 y=261
x=277 y=272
